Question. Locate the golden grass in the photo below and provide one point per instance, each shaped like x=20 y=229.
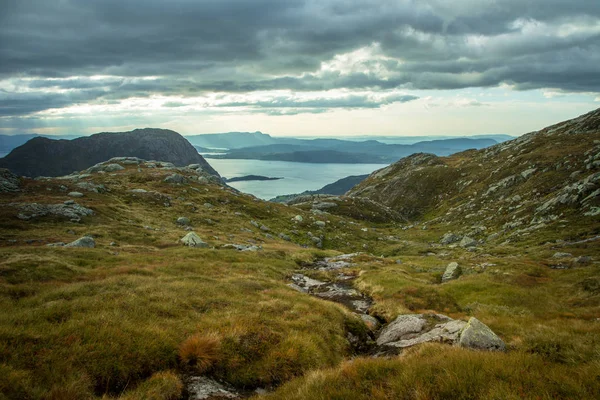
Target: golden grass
x=200 y=352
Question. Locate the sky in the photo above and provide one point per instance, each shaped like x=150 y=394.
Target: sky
x=297 y=67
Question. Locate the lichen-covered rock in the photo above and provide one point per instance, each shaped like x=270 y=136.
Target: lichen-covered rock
x=86 y=241
x=401 y=327
x=477 y=335
x=450 y=238
x=193 y=240
x=453 y=271
x=468 y=242
x=71 y=211
x=9 y=182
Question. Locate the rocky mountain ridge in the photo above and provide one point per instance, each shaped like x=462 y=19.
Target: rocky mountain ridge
x=536 y=182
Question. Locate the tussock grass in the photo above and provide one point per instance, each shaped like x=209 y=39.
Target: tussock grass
x=200 y=352
x=442 y=372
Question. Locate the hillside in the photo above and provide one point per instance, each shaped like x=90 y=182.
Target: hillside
x=539 y=181
x=48 y=157
x=478 y=278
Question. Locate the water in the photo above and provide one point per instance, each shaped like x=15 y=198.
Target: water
x=298 y=177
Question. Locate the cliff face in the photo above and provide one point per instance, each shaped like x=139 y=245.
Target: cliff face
x=48 y=157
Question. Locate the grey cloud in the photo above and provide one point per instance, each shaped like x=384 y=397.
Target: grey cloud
x=244 y=46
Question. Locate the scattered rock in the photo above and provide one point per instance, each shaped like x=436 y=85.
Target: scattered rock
x=562 y=255
x=298 y=218
x=264 y=228
x=450 y=238
x=468 y=242
x=176 y=179
x=285 y=237
x=241 y=247
x=477 y=335
x=324 y=205
x=453 y=271
x=583 y=260
x=320 y=224
x=138 y=191
x=201 y=387
x=57 y=244
x=86 y=241
x=193 y=240
x=102 y=167
x=183 y=221
x=75 y=194
x=254 y=224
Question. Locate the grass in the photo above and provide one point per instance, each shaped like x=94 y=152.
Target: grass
x=128 y=321
x=442 y=372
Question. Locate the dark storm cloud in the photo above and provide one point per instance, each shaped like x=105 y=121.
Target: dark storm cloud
x=193 y=47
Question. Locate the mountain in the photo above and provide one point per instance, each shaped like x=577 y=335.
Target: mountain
x=232 y=140
x=538 y=182
x=48 y=157
x=9 y=142
x=343 y=151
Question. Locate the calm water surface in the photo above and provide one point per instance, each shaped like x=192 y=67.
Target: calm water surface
x=298 y=177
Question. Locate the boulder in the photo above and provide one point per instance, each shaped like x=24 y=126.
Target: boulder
x=477 y=335
x=468 y=242
x=183 y=221
x=411 y=329
x=176 y=179
x=562 y=255
x=193 y=240
x=86 y=241
x=450 y=238
x=453 y=271
x=9 y=182
x=401 y=327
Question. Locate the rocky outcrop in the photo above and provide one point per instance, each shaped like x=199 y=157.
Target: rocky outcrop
x=72 y=211
x=47 y=157
x=412 y=329
x=9 y=182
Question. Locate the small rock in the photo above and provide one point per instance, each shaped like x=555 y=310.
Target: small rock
x=75 y=194
x=298 y=218
x=85 y=241
x=69 y=202
x=562 y=255
x=450 y=238
x=583 y=260
x=370 y=322
x=468 y=242
x=320 y=224
x=176 y=179
x=453 y=271
x=193 y=240
x=264 y=228
x=138 y=191
x=183 y=221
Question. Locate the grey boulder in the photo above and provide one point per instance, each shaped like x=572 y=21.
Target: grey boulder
x=477 y=335
x=193 y=240
x=86 y=241
x=453 y=271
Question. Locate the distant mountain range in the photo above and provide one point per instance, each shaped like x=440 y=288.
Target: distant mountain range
x=350 y=152
x=41 y=156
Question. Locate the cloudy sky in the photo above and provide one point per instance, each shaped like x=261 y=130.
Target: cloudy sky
x=297 y=67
